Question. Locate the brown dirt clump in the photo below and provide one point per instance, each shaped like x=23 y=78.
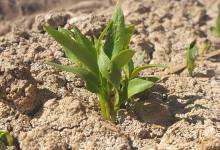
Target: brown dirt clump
x=17 y=90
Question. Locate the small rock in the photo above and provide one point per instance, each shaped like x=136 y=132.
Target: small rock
x=153 y=112
x=57 y=19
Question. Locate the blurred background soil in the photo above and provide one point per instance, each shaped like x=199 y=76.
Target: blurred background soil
x=12 y=9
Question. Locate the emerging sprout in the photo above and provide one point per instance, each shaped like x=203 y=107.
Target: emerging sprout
x=191 y=58
x=106 y=66
x=216 y=29
x=5 y=138
x=204 y=49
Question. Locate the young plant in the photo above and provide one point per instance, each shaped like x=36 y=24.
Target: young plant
x=216 y=29
x=5 y=138
x=204 y=49
x=191 y=58
x=106 y=66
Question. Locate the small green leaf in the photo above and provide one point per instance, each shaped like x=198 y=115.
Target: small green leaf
x=68 y=52
x=83 y=40
x=123 y=58
x=71 y=56
x=153 y=79
x=118 y=30
x=86 y=56
x=204 y=49
x=118 y=35
x=191 y=57
x=122 y=95
x=128 y=68
x=104 y=32
x=137 y=70
x=5 y=136
x=92 y=83
x=108 y=69
x=216 y=29
x=137 y=85
x=109 y=42
x=140 y=59
x=67 y=32
x=129 y=30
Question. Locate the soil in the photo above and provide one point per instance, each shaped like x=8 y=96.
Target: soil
x=47 y=109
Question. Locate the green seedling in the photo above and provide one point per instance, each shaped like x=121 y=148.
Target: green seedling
x=216 y=28
x=106 y=65
x=204 y=49
x=5 y=138
x=191 y=58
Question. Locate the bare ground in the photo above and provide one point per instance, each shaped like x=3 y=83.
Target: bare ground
x=51 y=110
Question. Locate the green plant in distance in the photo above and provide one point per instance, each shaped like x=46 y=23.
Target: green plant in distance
x=5 y=138
x=216 y=28
x=106 y=65
x=191 y=58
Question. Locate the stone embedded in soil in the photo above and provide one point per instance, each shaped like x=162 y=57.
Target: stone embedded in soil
x=57 y=19
x=153 y=112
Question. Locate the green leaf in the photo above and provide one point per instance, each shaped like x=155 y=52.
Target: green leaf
x=67 y=32
x=105 y=105
x=108 y=69
x=140 y=59
x=109 y=42
x=5 y=136
x=68 y=52
x=86 y=56
x=118 y=30
x=123 y=58
x=137 y=85
x=128 y=68
x=129 y=30
x=118 y=35
x=121 y=95
x=191 y=57
x=71 y=56
x=92 y=83
x=83 y=40
x=137 y=70
x=153 y=79
x=104 y=32
x=204 y=49
x=216 y=29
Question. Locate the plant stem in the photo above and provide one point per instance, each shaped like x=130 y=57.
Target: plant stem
x=105 y=106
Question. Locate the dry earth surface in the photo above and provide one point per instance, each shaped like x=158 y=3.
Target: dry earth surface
x=45 y=109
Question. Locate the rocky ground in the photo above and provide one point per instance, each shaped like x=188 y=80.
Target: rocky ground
x=45 y=109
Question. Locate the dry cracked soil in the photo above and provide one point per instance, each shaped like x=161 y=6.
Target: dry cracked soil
x=45 y=109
